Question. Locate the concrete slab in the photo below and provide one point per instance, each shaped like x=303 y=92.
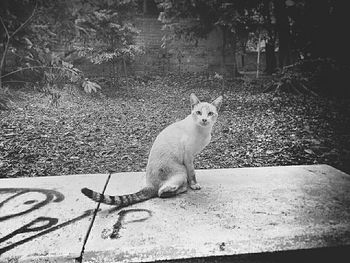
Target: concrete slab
x=237 y=211
x=45 y=219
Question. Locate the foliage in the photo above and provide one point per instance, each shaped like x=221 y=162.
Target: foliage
x=314 y=27
x=32 y=30
x=108 y=33
x=206 y=15
x=193 y=20
x=31 y=43
x=90 y=86
x=299 y=29
x=311 y=76
x=307 y=36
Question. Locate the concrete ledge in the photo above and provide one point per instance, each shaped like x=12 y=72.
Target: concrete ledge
x=45 y=219
x=237 y=211
x=246 y=214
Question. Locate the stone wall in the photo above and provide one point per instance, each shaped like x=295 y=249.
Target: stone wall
x=181 y=56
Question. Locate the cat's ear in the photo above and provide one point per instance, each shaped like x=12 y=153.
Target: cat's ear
x=194 y=100
x=217 y=102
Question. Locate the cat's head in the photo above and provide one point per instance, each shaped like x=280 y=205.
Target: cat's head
x=204 y=113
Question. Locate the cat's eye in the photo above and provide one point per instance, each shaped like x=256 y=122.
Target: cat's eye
x=198 y=112
x=210 y=113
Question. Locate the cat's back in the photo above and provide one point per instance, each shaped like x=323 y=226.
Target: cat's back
x=169 y=140
x=172 y=133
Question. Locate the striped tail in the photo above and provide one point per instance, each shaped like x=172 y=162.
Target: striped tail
x=121 y=200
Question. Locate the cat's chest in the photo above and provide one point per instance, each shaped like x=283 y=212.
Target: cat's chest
x=195 y=144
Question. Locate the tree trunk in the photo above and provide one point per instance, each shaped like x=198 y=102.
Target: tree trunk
x=234 y=61
x=270 y=57
x=282 y=27
x=228 y=38
x=3 y=60
x=223 y=53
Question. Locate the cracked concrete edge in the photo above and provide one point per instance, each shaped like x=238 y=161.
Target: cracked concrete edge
x=87 y=235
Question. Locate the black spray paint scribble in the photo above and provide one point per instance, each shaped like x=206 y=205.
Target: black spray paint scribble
x=50 y=196
x=30 y=227
x=121 y=221
x=35 y=225
x=42 y=224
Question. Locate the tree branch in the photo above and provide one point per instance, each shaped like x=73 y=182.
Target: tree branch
x=26 y=22
x=3 y=24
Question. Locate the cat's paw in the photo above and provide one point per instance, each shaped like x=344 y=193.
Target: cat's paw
x=195 y=186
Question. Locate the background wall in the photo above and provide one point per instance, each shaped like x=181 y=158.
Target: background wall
x=178 y=57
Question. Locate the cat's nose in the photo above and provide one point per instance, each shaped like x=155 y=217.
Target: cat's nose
x=204 y=120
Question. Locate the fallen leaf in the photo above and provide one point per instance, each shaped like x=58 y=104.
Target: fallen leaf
x=309 y=151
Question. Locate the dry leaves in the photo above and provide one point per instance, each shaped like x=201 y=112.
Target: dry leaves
x=115 y=132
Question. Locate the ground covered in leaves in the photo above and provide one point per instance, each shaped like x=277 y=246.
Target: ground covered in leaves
x=115 y=130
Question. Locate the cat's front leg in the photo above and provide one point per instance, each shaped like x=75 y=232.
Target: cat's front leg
x=193 y=184
x=191 y=176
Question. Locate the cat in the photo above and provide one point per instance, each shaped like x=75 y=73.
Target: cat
x=170 y=169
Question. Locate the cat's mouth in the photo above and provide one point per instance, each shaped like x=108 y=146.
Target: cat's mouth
x=204 y=124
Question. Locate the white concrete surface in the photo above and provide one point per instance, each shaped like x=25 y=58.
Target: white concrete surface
x=45 y=219
x=237 y=211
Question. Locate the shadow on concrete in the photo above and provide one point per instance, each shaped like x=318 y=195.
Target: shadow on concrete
x=319 y=255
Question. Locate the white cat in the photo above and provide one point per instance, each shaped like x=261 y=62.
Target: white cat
x=170 y=167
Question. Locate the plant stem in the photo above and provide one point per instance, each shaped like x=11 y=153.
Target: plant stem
x=34 y=67
x=126 y=73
